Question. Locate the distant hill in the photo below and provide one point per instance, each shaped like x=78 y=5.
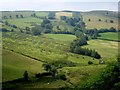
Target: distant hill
x=104 y=16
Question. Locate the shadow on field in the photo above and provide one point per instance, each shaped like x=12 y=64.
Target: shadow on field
x=21 y=83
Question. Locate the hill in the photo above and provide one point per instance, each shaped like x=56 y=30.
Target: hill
x=14 y=65
x=105 y=17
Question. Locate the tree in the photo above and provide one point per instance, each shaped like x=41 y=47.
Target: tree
x=27 y=30
x=99 y=20
x=6 y=23
x=12 y=30
x=51 y=15
x=89 y=20
x=21 y=16
x=50 y=69
x=4 y=17
x=25 y=76
x=63 y=17
x=36 y=30
x=90 y=62
x=47 y=67
x=10 y=17
x=17 y=16
x=111 y=21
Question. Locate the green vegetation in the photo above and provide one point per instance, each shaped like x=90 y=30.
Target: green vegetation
x=109 y=36
x=105 y=16
x=59 y=49
x=13 y=65
x=62 y=37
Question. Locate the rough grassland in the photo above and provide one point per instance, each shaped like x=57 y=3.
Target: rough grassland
x=14 y=65
x=109 y=36
x=94 y=23
x=24 y=22
x=107 y=49
x=62 y=37
x=58 y=14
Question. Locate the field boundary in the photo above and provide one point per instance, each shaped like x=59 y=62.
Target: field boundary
x=109 y=40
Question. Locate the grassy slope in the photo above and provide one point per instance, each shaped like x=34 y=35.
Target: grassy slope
x=24 y=22
x=68 y=14
x=14 y=65
x=107 y=49
x=95 y=15
x=109 y=36
x=62 y=37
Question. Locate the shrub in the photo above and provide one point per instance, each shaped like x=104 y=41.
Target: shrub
x=90 y=62
x=37 y=75
x=25 y=76
x=61 y=76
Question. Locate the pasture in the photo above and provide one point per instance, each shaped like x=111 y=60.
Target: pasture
x=23 y=51
x=107 y=49
x=94 y=16
x=14 y=65
x=109 y=36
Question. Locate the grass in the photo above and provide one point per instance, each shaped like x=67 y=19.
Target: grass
x=109 y=36
x=14 y=65
x=94 y=16
x=24 y=22
x=62 y=37
x=14 y=13
x=52 y=48
x=79 y=74
x=107 y=49
x=67 y=14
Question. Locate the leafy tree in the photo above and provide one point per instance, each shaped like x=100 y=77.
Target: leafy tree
x=89 y=20
x=27 y=30
x=10 y=17
x=12 y=30
x=111 y=21
x=90 y=62
x=36 y=30
x=47 y=67
x=4 y=17
x=99 y=20
x=25 y=76
x=17 y=16
x=63 y=17
x=34 y=14
x=6 y=23
x=21 y=16
x=51 y=15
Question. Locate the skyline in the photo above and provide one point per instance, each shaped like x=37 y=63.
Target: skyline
x=58 y=6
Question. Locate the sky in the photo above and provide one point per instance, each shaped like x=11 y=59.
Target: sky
x=59 y=5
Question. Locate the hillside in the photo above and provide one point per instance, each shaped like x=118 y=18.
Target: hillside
x=105 y=17
x=56 y=48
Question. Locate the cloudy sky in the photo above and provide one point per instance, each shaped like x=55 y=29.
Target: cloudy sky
x=58 y=5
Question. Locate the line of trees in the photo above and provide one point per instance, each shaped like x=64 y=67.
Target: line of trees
x=75 y=47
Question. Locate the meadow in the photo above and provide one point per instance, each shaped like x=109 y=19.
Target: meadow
x=94 y=16
x=109 y=36
x=21 y=51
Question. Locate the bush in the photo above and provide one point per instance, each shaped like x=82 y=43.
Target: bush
x=61 y=76
x=90 y=62
x=37 y=75
x=25 y=76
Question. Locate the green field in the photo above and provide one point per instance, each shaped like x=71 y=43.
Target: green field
x=14 y=65
x=24 y=22
x=62 y=37
x=109 y=36
x=21 y=51
x=95 y=15
x=107 y=49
